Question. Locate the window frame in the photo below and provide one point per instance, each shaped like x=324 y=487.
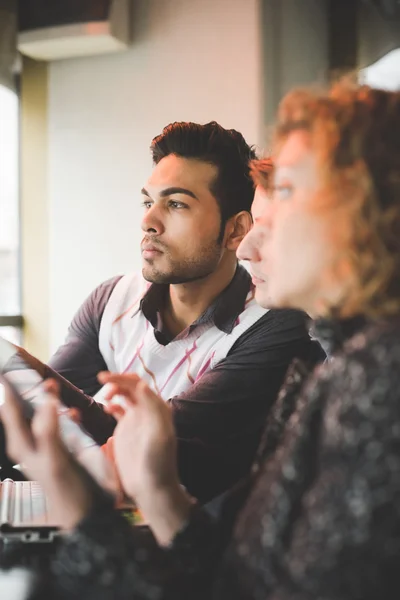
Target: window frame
x=17 y=320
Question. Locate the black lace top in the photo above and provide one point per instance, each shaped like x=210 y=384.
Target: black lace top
x=319 y=518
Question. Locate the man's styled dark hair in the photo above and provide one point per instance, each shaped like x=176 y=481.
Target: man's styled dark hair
x=226 y=149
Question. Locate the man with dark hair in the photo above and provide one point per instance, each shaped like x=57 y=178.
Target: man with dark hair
x=226 y=149
x=188 y=323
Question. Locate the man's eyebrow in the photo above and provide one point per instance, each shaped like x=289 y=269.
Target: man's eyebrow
x=172 y=190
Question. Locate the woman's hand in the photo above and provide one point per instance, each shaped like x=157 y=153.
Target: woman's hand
x=39 y=448
x=145 y=454
x=144 y=439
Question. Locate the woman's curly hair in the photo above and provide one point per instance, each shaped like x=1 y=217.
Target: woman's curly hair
x=355 y=134
x=261 y=172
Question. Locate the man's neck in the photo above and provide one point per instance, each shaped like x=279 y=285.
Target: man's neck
x=188 y=301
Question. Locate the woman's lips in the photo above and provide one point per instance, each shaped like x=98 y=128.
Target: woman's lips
x=257 y=280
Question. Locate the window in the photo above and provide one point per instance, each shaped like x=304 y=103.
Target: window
x=10 y=293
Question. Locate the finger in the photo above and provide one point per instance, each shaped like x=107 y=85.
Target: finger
x=111 y=390
x=19 y=439
x=74 y=414
x=115 y=410
x=126 y=382
x=51 y=386
x=45 y=427
x=128 y=385
x=114 y=390
x=145 y=395
x=108 y=449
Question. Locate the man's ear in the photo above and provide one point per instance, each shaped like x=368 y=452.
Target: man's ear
x=237 y=227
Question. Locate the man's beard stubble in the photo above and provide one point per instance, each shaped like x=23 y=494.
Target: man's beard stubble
x=185 y=271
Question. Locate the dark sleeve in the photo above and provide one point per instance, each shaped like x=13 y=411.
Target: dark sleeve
x=346 y=542
x=78 y=361
x=219 y=420
x=106 y=558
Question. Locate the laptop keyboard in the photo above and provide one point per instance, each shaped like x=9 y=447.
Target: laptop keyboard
x=23 y=513
x=30 y=506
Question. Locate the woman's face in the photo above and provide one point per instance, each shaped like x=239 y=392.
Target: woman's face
x=290 y=249
x=297 y=250
x=254 y=246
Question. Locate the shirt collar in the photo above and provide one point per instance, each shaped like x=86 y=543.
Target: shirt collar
x=223 y=312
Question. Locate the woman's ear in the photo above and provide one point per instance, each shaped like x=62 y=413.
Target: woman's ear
x=237 y=228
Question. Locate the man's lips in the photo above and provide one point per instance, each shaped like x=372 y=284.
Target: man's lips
x=150 y=251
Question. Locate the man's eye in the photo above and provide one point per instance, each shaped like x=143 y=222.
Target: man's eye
x=282 y=192
x=176 y=204
x=146 y=203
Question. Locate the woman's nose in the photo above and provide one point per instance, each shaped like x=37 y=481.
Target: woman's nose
x=247 y=249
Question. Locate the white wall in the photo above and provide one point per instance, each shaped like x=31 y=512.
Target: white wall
x=191 y=60
x=385 y=73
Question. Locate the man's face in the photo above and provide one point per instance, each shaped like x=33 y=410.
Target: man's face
x=181 y=222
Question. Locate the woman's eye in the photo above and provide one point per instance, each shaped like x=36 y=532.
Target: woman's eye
x=282 y=192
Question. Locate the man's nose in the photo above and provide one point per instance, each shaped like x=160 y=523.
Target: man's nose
x=152 y=220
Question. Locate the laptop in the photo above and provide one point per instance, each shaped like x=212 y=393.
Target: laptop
x=23 y=513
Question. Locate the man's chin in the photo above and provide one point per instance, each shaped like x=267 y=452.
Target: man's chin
x=149 y=275
x=153 y=276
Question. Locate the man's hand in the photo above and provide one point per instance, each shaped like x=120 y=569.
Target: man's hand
x=144 y=447
x=41 y=452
